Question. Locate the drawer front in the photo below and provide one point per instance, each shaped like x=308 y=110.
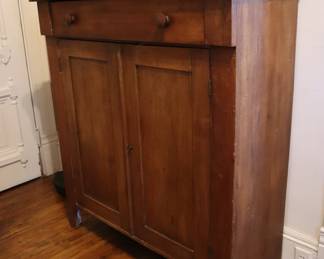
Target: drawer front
x=156 y=21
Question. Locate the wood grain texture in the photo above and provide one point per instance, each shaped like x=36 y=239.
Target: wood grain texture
x=168 y=125
x=121 y=20
x=193 y=22
x=222 y=70
x=203 y=182
x=33 y=224
x=265 y=36
x=92 y=88
x=45 y=18
x=218 y=22
x=63 y=128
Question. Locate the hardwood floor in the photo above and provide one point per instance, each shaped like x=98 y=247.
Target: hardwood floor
x=33 y=224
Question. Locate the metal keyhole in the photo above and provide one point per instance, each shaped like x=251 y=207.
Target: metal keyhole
x=130 y=148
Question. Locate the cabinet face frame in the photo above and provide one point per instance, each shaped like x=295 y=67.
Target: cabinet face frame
x=91 y=94
x=180 y=108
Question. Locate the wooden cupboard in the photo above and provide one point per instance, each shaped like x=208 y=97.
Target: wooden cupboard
x=174 y=119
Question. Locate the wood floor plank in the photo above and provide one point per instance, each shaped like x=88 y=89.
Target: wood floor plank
x=33 y=224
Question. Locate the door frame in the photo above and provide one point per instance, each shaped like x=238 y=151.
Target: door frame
x=17 y=91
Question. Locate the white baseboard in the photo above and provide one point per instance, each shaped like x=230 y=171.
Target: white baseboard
x=50 y=154
x=321 y=245
x=297 y=245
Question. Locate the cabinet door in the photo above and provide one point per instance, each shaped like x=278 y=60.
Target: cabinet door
x=92 y=91
x=168 y=115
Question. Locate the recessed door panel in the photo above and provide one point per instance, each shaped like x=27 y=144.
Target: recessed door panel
x=166 y=137
x=168 y=122
x=93 y=89
x=93 y=106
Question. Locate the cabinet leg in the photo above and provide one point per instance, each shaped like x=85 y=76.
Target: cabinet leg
x=78 y=219
x=75 y=217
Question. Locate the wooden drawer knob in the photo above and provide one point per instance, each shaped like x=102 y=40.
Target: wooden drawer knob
x=163 y=20
x=70 y=19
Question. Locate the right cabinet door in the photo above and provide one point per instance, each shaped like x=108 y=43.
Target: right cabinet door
x=168 y=117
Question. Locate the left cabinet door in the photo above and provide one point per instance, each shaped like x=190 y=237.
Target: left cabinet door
x=95 y=116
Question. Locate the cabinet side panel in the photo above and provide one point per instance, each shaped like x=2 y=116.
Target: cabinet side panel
x=222 y=148
x=265 y=36
x=92 y=90
x=62 y=125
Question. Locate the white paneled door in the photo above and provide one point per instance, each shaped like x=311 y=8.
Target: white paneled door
x=19 y=160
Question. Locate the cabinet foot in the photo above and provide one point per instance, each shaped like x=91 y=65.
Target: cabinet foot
x=75 y=217
x=78 y=219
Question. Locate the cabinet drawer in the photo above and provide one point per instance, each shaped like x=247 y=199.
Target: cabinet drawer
x=167 y=21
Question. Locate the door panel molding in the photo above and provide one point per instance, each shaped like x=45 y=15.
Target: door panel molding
x=5 y=51
x=92 y=87
x=168 y=118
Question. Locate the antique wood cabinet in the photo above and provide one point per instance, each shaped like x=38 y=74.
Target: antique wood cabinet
x=174 y=119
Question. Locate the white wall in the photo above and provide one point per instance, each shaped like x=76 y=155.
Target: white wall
x=40 y=85
x=305 y=194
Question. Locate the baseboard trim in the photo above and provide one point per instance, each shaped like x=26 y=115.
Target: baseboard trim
x=321 y=245
x=50 y=154
x=48 y=139
x=301 y=239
